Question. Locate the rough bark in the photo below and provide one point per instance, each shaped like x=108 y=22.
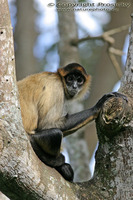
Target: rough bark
x=23 y=176
x=116 y=119
x=105 y=73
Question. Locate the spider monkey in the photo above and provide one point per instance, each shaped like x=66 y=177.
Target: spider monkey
x=42 y=99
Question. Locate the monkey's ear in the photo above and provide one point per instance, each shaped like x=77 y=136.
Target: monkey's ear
x=74 y=68
x=62 y=72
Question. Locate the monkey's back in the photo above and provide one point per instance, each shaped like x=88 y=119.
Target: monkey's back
x=41 y=96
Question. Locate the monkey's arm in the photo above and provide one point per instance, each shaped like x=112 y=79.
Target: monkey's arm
x=75 y=121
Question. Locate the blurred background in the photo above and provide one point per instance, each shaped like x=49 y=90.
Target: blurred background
x=40 y=30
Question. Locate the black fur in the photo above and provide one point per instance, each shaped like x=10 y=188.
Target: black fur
x=73 y=68
x=74 y=120
x=66 y=171
x=47 y=144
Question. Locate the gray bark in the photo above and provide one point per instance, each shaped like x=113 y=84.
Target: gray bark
x=105 y=73
x=116 y=119
x=3 y=197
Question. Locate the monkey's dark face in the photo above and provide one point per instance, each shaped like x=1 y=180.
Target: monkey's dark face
x=74 y=83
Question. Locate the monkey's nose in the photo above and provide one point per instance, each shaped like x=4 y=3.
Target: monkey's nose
x=75 y=85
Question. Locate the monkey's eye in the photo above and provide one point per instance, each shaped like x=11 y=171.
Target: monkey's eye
x=80 y=80
x=70 y=78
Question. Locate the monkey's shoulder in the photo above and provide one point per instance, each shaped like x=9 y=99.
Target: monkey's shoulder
x=40 y=82
x=45 y=87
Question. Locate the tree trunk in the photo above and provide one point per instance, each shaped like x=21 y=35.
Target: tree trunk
x=105 y=73
x=25 y=36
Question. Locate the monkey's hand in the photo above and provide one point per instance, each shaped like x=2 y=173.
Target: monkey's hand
x=100 y=103
x=75 y=121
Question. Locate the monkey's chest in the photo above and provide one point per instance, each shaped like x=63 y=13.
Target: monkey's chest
x=52 y=119
x=50 y=116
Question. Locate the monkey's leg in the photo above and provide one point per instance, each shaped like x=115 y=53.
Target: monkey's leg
x=47 y=144
x=75 y=121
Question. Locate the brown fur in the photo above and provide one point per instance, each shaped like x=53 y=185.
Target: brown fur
x=42 y=100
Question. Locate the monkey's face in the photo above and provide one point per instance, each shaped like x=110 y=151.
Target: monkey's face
x=74 y=83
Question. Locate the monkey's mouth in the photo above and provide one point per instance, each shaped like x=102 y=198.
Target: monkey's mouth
x=72 y=93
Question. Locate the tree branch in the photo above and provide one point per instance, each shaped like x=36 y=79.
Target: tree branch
x=114 y=61
x=115 y=116
x=107 y=37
